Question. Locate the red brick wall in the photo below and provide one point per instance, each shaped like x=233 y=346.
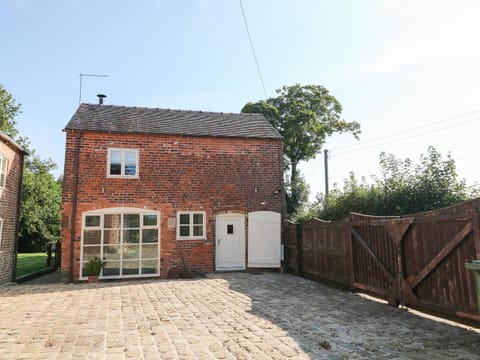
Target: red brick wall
x=175 y=173
x=8 y=210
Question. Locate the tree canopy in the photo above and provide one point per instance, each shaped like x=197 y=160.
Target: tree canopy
x=304 y=116
x=402 y=188
x=9 y=109
x=40 y=214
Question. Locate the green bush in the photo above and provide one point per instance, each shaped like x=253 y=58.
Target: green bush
x=402 y=188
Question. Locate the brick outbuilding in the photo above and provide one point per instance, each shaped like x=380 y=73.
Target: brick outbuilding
x=155 y=191
x=11 y=170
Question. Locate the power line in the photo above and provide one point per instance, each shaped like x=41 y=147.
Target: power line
x=406 y=131
x=253 y=49
x=407 y=138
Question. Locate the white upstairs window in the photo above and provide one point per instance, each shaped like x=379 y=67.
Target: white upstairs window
x=122 y=163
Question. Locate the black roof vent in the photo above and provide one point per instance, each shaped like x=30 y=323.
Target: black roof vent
x=100 y=98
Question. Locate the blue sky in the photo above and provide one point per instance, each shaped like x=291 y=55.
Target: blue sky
x=394 y=66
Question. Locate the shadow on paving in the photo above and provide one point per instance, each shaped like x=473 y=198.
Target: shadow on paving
x=335 y=324
x=325 y=322
x=43 y=277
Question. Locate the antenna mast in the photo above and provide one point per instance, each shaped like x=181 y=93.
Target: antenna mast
x=81 y=77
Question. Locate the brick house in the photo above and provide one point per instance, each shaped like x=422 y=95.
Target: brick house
x=152 y=191
x=11 y=169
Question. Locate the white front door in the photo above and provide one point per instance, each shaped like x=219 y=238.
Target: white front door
x=230 y=242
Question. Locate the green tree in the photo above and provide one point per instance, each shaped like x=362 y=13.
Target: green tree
x=9 y=109
x=304 y=116
x=402 y=188
x=297 y=197
x=40 y=216
x=355 y=197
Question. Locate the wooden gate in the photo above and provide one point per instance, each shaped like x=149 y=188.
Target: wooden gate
x=377 y=256
x=434 y=255
x=54 y=252
x=417 y=260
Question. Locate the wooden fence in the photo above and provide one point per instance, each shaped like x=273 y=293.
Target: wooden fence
x=417 y=260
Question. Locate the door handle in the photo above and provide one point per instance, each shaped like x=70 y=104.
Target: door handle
x=218 y=242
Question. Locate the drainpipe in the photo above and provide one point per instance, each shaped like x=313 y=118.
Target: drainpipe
x=74 y=205
x=19 y=204
x=283 y=194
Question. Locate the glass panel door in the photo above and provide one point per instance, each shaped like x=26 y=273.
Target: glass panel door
x=128 y=243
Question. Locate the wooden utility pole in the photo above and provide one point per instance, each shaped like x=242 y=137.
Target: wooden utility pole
x=325 y=156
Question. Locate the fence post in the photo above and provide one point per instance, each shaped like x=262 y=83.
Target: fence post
x=299 y=250
x=349 y=252
x=58 y=254
x=49 y=254
x=397 y=230
x=476 y=232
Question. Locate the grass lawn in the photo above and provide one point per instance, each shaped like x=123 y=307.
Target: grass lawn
x=31 y=262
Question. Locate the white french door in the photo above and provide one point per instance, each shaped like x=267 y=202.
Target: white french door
x=127 y=239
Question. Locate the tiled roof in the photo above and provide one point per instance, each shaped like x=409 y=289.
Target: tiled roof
x=124 y=119
x=7 y=139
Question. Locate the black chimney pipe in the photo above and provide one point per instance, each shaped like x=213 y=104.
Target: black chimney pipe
x=100 y=98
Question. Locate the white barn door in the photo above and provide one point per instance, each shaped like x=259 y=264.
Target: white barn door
x=264 y=249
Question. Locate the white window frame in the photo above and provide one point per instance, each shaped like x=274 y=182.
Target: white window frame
x=191 y=225
x=121 y=211
x=122 y=163
x=1 y=233
x=3 y=171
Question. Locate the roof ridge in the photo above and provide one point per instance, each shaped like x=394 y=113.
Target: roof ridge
x=170 y=109
x=135 y=119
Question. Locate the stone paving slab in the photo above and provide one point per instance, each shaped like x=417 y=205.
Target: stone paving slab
x=223 y=316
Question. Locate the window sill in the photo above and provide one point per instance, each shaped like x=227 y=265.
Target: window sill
x=191 y=238
x=122 y=177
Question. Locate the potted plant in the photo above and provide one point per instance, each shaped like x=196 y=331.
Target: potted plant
x=93 y=267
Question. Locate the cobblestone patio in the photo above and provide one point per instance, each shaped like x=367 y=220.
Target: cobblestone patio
x=223 y=316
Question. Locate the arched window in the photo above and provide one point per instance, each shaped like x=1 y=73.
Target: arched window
x=127 y=239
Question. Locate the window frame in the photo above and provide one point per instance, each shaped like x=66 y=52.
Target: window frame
x=122 y=244
x=1 y=233
x=191 y=225
x=122 y=174
x=3 y=160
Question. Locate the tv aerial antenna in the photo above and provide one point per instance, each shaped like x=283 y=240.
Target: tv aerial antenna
x=88 y=75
